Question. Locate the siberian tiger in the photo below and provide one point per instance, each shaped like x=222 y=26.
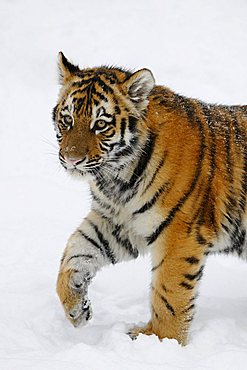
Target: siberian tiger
x=168 y=176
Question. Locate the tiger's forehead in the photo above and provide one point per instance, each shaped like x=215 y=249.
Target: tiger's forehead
x=94 y=91
x=89 y=96
x=83 y=105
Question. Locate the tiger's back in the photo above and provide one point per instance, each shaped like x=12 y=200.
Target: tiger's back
x=167 y=175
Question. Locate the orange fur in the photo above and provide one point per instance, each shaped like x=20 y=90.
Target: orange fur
x=203 y=177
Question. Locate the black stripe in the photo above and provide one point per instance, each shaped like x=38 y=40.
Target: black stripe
x=105 y=88
x=82 y=82
x=150 y=239
x=80 y=256
x=141 y=165
x=155 y=313
x=178 y=103
x=212 y=217
x=132 y=124
x=79 y=91
x=103 y=242
x=199 y=238
x=109 y=74
x=164 y=287
x=226 y=228
x=117 y=109
x=92 y=241
x=195 y=276
x=112 y=146
x=157 y=266
x=79 y=104
x=129 y=149
x=95 y=102
x=59 y=137
x=151 y=202
x=101 y=96
x=186 y=285
x=104 y=146
x=122 y=131
x=160 y=165
x=140 y=168
x=107 y=115
x=168 y=305
x=144 y=159
x=125 y=243
x=108 y=134
x=191 y=307
x=192 y=260
x=229 y=219
x=99 y=201
x=90 y=91
x=190 y=111
x=212 y=152
x=54 y=113
x=227 y=144
x=196 y=204
x=124 y=152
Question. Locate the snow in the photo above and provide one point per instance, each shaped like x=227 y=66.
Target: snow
x=196 y=47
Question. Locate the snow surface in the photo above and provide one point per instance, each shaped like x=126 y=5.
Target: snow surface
x=196 y=47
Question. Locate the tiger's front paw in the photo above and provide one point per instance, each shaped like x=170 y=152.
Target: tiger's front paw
x=80 y=314
x=72 y=288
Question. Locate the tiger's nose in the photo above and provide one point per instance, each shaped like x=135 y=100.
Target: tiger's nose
x=74 y=161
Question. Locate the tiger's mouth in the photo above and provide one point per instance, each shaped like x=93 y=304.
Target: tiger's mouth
x=86 y=170
x=104 y=167
x=81 y=165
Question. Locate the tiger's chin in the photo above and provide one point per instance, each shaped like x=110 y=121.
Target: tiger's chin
x=79 y=174
x=86 y=173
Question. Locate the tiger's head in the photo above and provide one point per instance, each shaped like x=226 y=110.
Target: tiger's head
x=99 y=115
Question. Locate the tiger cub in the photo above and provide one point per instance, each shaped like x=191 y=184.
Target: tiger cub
x=168 y=176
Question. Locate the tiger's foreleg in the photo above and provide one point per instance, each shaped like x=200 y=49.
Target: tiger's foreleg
x=96 y=243
x=177 y=268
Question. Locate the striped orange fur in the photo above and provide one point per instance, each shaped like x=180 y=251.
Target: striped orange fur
x=168 y=176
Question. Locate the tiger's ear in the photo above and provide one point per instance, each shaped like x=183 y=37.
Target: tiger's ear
x=139 y=85
x=66 y=69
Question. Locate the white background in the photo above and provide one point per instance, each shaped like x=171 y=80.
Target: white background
x=197 y=48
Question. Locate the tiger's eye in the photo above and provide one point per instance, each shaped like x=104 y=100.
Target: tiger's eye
x=67 y=120
x=100 y=125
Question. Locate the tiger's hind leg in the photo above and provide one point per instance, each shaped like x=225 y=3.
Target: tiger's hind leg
x=177 y=268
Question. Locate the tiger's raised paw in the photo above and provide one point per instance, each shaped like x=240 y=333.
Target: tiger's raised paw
x=80 y=314
x=72 y=288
